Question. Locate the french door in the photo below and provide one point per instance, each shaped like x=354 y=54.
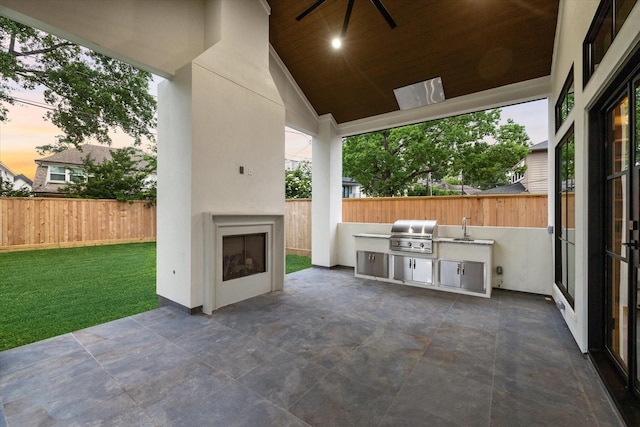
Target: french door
x=622 y=230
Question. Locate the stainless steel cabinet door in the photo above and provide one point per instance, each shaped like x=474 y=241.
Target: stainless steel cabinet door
x=450 y=273
x=472 y=276
x=363 y=264
x=423 y=270
x=372 y=264
x=380 y=264
x=402 y=267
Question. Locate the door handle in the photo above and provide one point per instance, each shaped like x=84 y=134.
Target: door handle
x=633 y=244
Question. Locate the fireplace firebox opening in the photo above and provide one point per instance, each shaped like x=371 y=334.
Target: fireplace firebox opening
x=243 y=255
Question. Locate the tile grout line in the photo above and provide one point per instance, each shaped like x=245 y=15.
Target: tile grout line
x=404 y=383
x=122 y=387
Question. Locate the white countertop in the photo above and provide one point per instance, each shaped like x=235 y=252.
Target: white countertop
x=464 y=241
x=437 y=239
x=373 y=235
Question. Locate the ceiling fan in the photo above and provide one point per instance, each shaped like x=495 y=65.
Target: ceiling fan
x=377 y=3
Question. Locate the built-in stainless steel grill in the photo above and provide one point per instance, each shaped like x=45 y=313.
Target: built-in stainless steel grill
x=413 y=235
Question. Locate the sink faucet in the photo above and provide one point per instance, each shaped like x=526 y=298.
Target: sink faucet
x=464 y=228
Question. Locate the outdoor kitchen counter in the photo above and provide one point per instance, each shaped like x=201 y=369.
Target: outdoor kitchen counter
x=446 y=251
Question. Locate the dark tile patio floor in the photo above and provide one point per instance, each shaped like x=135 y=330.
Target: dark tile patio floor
x=330 y=350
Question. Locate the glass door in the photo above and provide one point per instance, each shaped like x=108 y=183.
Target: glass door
x=617 y=251
x=634 y=233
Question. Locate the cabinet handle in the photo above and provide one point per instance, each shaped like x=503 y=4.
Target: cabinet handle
x=458 y=269
x=463 y=269
x=373 y=258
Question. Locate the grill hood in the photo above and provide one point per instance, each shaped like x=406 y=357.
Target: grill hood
x=414 y=228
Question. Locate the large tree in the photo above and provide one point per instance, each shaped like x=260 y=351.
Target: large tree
x=390 y=162
x=88 y=94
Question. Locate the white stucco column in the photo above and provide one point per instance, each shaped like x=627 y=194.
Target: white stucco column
x=326 y=192
x=220 y=147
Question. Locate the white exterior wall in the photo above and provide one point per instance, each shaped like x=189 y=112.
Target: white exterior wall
x=574 y=20
x=173 y=249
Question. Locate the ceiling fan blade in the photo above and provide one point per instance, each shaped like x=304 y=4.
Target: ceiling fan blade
x=346 y=18
x=309 y=9
x=383 y=11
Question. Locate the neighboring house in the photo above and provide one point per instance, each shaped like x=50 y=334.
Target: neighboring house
x=351 y=189
x=6 y=174
x=291 y=165
x=62 y=168
x=19 y=181
x=536 y=178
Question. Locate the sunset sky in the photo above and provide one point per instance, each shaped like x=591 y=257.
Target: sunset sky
x=27 y=129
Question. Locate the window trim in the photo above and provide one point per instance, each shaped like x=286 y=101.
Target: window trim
x=69 y=173
x=50 y=173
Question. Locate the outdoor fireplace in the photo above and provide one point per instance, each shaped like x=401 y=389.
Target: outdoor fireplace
x=243 y=257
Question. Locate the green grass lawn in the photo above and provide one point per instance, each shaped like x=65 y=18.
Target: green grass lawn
x=297 y=262
x=45 y=293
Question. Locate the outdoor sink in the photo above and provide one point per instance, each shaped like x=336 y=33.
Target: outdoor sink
x=470 y=240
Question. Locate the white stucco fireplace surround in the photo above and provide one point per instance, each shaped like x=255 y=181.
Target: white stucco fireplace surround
x=220 y=291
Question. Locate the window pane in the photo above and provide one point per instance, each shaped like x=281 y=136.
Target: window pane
x=57 y=173
x=623 y=8
x=637 y=123
x=76 y=175
x=569 y=206
x=618 y=309
x=617 y=204
x=571 y=270
x=619 y=120
x=603 y=38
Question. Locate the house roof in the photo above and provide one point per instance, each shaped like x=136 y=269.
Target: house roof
x=541 y=146
x=472 y=45
x=6 y=168
x=506 y=189
x=349 y=181
x=74 y=156
x=23 y=178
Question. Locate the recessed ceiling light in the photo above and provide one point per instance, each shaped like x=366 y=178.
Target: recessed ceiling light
x=336 y=42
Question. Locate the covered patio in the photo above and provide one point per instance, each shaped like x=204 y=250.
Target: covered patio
x=329 y=350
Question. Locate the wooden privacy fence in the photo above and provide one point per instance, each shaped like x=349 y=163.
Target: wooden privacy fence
x=297 y=225
x=529 y=210
x=31 y=223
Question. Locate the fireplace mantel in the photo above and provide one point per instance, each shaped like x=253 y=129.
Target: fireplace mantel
x=216 y=226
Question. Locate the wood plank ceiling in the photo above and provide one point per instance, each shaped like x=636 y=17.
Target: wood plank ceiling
x=473 y=45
